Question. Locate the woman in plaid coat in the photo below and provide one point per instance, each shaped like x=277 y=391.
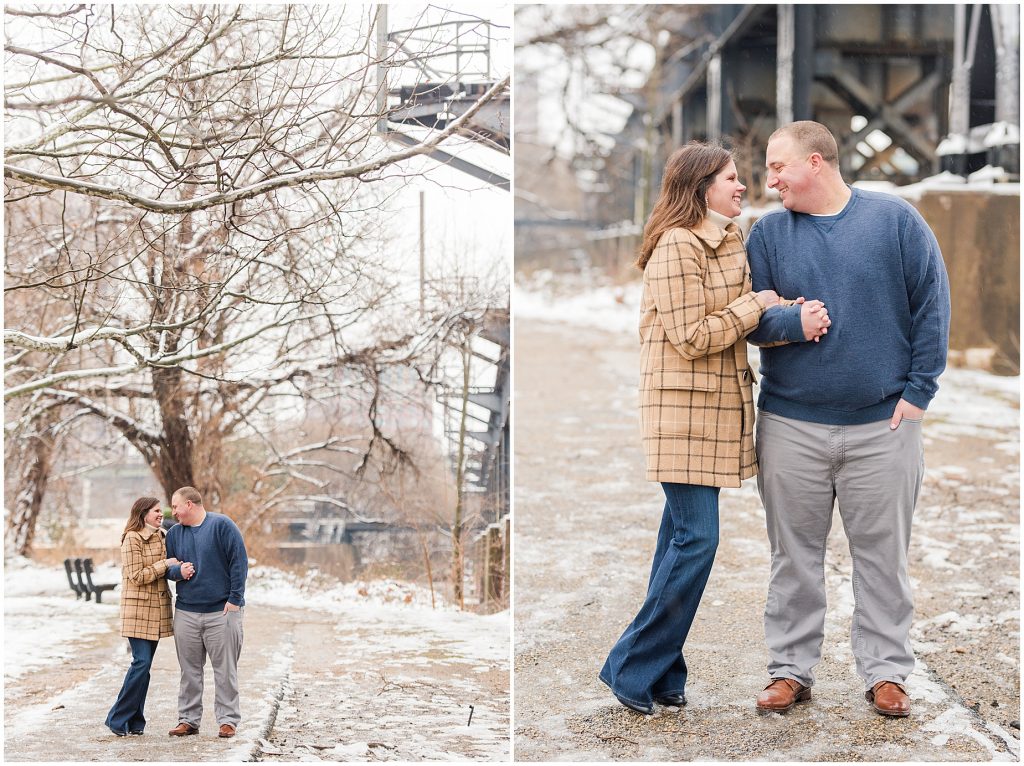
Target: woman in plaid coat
x=145 y=609
x=696 y=406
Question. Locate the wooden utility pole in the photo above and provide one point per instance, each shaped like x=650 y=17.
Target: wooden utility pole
x=458 y=557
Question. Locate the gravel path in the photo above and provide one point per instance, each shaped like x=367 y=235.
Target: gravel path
x=584 y=535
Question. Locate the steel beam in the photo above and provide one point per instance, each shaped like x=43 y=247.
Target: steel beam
x=784 y=62
x=714 y=95
x=745 y=19
x=920 y=89
x=457 y=163
x=842 y=82
x=1006 y=34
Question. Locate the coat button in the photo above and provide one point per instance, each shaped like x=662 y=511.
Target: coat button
x=746 y=375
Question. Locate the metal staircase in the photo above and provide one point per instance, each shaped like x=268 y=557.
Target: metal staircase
x=488 y=437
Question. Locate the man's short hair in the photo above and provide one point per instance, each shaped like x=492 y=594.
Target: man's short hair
x=813 y=137
x=190 y=494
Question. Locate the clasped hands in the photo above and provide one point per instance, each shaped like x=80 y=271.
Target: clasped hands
x=813 y=314
x=187 y=569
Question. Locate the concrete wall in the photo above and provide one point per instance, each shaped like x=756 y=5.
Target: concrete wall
x=337 y=559
x=979 y=234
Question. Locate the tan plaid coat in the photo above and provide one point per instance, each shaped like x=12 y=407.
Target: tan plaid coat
x=145 y=597
x=696 y=402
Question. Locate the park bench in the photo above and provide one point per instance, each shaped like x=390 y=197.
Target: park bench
x=79 y=590
x=83 y=568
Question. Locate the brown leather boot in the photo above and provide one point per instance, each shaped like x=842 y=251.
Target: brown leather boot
x=226 y=730
x=889 y=698
x=183 y=729
x=781 y=695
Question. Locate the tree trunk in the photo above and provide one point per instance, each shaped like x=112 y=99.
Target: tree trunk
x=174 y=461
x=36 y=465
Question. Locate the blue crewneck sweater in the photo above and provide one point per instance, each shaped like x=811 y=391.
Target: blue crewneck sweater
x=222 y=564
x=877 y=268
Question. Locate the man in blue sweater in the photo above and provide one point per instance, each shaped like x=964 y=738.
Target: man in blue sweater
x=210 y=590
x=841 y=419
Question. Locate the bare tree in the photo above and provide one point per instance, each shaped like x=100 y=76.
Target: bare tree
x=601 y=60
x=594 y=52
x=194 y=232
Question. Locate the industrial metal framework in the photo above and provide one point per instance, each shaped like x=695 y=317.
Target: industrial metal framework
x=910 y=90
x=449 y=68
x=487 y=458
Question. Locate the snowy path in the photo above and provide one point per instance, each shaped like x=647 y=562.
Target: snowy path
x=343 y=678
x=585 y=528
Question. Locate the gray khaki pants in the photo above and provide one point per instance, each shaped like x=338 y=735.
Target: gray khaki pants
x=875 y=474
x=219 y=636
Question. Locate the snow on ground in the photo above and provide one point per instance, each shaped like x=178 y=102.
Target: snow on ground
x=483 y=638
x=586 y=301
x=355 y=671
x=314 y=590
x=61 y=621
x=973 y=413
x=38 y=604
x=977 y=403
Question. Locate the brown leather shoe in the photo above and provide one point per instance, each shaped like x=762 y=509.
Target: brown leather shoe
x=889 y=698
x=781 y=695
x=183 y=730
x=226 y=730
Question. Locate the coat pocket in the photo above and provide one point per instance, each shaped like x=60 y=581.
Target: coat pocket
x=685 y=403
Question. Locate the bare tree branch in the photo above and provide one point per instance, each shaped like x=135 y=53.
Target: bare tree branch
x=285 y=180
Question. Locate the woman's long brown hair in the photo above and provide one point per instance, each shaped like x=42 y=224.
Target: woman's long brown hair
x=137 y=515
x=689 y=173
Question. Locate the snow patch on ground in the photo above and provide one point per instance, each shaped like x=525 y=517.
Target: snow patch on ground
x=976 y=403
x=23 y=577
x=48 y=630
x=957 y=722
x=406 y=605
x=278 y=667
x=313 y=590
x=43 y=622
x=584 y=301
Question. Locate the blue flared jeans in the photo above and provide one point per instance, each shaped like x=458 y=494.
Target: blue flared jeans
x=126 y=715
x=647 y=660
